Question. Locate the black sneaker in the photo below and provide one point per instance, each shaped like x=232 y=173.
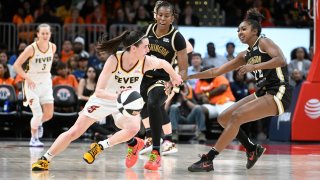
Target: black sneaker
x=254 y=155
x=204 y=165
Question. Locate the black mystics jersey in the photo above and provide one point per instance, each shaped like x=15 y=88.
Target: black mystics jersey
x=163 y=47
x=267 y=78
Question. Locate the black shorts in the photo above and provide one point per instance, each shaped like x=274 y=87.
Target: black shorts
x=281 y=94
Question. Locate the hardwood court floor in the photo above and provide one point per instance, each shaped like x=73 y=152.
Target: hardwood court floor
x=279 y=162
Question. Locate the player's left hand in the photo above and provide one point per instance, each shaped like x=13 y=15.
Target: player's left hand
x=245 y=69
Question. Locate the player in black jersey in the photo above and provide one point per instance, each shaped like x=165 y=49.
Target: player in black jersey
x=265 y=60
x=167 y=43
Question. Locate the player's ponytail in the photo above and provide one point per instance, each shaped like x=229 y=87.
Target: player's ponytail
x=254 y=17
x=110 y=46
x=127 y=39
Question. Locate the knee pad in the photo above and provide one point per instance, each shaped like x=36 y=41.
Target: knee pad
x=37 y=117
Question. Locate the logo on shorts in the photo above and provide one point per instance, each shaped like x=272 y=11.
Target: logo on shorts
x=92 y=108
x=312 y=108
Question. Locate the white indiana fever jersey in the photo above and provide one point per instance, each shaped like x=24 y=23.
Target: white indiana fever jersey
x=40 y=63
x=122 y=79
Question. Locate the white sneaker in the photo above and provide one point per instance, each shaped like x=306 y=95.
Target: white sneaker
x=148 y=146
x=40 y=131
x=168 y=147
x=35 y=142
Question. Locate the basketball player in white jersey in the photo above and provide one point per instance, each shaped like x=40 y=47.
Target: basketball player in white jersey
x=38 y=83
x=123 y=70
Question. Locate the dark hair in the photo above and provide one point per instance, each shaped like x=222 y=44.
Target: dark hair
x=61 y=65
x=196 y=54
x=127 y=38
x=95 y=70
x=254 y=18
x=165 y=4
x=6 y=74
x=230 y=44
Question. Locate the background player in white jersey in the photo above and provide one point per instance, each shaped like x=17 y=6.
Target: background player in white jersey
x=38 y=83
x=132 y=62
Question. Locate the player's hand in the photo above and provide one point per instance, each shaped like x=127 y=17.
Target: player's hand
x=176 y=80
x=168 y=88
x=245 y=69
x=30 y=83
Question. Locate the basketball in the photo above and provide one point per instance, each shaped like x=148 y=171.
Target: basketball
x=130 y=103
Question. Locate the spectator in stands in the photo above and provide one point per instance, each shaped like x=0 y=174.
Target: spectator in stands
x=87 y=85
x=300 y=63
x=41 y=8
x=48 y=16
x=267 y=21
x=63 y=78
x=120 y=17
x=230 y=47
x=72 y=63
x=187 y=111
x=87 y=7
x=212 y=58
x=66 y=51
x=4 y=60
x=64 y=10
x=70 y=21
x=311 y=53
x=21 y=19
x=194 y=68
x=21 y=46
x=142 y=17
x=238 y=86
x=78 y=47
x=5 y=75
x=55 y=61
x=96 y=17
x=215 y=94
x=188 y=18
x=82 y=67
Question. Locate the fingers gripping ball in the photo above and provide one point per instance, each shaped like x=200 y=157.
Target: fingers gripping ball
x=130 y=103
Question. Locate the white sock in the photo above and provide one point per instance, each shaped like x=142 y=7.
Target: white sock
x=105 y=143
x=48 y=156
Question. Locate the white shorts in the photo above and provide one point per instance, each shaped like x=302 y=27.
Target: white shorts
x=98 y=109
x=216 y=110
x=41 y=94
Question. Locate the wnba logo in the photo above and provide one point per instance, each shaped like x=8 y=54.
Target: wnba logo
x=312 y=108
x=63 y=94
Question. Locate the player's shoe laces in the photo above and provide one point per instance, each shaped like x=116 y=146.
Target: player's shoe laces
x=35 y=142
x=133 y=153
x=154 y=161
x=204 y=165
x=41 y=165
x=168 y=147
x=254 y=155
x=90 y=156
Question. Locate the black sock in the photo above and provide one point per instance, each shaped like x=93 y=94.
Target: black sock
x=168 y=137
x=245 y=141
x=156 y=148
x=212 y=154
x=148 y=132
x=132 y=142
